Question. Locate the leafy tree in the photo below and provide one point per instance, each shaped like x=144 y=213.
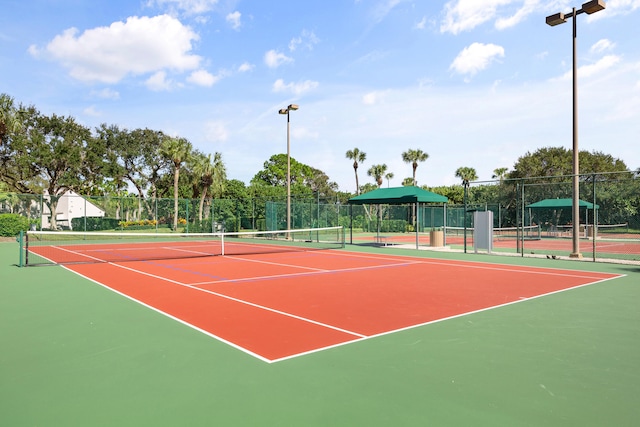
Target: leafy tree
x=177 y=150
x=51 y=153
x=455 y=193
x=134 y=156
x=558 y=161
x=358 y=157
x=413 y=157
x=320 y=184
x=305 y=180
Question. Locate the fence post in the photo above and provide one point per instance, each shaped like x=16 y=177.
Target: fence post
x=20 y=245
x=518 y=217
x=594 y=233
x=464 y=217
x=523 y=219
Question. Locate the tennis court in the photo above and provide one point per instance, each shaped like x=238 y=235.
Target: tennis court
x=300 y=336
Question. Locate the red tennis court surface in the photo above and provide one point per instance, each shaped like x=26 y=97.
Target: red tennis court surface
x=277 y=306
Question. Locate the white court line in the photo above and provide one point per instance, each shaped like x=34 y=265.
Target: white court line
x=76 y=253
x=491 y=266
x=522 y=299
x=306 y=273
x=262 y=307
x=361 y=336
x=275 y=263
x=157 y=310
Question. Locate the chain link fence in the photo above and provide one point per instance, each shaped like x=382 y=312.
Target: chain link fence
x=609 y=226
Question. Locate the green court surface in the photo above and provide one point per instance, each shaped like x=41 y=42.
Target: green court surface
x=74 y=353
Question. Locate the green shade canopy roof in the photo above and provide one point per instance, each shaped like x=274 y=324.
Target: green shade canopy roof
x=559 y=204
x=398 y=196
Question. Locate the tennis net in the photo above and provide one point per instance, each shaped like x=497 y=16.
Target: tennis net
x=529 y=232
x=68 y=247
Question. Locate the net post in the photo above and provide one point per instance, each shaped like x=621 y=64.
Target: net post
x=20 y=240
x=222 y=243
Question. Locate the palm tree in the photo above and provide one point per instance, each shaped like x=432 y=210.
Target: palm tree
x=358 y=157
x=176 y=150
x=209 y=174
x=413 y=157
x=377 y=172
x=499 y=173
x=467 y=175
x=407 y=182
x=388 y=176
x=9 y=121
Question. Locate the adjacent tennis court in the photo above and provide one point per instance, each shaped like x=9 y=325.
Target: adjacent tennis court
x=296 y=330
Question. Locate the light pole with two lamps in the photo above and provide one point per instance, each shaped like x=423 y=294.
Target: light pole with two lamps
x=553 y=20
x=291 y=107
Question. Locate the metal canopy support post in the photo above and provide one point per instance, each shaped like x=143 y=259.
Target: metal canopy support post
x=417 y=225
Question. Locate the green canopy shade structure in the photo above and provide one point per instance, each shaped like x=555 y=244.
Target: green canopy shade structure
x=559 y=204
x=556 y=204
x=398 y=196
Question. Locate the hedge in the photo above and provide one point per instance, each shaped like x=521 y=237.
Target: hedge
x=94 y=223
x=12 y=224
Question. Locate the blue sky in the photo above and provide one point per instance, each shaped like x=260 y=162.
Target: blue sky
x=474 y=83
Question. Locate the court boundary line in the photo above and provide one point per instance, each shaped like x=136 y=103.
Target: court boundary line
x=306 y=273
x=238 y=300
x=170 y=316
x=483 y=264
x=361 y=337
x=381 y=334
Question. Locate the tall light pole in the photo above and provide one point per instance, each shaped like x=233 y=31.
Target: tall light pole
x=589 y=7
x=286 y=111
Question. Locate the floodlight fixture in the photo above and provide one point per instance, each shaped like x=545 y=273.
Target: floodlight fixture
x=593 y=6
x=556 y=19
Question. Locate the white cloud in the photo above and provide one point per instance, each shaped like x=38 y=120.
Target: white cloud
x=476 y=57
x=203 y=78
x=294 y=88
x=307 y=40
x=274 y=59
x=92 y=111
x=216 y=131
x=234 y=19
x=190 y=7
x=138 y=46
x=422 y=24
x=383 y=8
x=106 y=94
x=616 y=7
x=602 y=45
x=372 y=98
x=594 y=69
x=464 y=15
x=245 y=67
x=529 y=7
x=158 y=82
